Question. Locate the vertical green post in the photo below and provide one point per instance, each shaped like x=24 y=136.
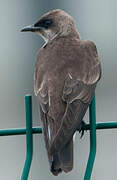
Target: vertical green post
x=92 y=117
x=29 y=137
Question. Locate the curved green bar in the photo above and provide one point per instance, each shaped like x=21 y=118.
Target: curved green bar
x=29 y=131
x=29 y=137
x=92 y=118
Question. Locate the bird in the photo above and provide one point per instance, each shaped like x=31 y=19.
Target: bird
x=66 y=73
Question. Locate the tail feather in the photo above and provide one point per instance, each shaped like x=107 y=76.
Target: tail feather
x=66 y=157
x=63 y=161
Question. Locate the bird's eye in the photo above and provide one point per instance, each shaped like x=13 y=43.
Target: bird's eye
x=44 y=23
x=47 y=22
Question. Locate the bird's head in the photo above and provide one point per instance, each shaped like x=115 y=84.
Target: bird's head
x=53 y=24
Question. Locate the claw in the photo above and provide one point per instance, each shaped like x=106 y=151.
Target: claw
x=80 y=128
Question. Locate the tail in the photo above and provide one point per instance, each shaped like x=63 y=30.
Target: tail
x=59 y=161
x=60 y=152
x=62 y=147
x=63 y=161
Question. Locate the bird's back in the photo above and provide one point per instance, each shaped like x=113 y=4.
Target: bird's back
x=66 y=73
x=65 y=56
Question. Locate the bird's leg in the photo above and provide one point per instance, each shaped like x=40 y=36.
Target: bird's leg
x=80 y=128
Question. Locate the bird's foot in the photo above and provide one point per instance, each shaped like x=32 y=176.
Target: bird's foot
x=80 y=128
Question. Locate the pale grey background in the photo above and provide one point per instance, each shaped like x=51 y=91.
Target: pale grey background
x=96 y=20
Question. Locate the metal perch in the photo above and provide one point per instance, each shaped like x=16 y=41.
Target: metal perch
x=29 y=131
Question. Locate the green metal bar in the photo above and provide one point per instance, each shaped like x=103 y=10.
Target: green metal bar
x=29 y=131
x=29 y=137
x=38 y=130
x=92 y=118
x=19 y=131
x=102 y=125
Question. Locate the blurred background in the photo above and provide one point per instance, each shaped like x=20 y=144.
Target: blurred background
x=96 y=21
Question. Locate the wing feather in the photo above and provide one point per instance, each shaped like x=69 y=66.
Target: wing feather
x=77 y=93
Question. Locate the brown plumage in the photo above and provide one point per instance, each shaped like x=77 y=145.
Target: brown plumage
x=66 y=73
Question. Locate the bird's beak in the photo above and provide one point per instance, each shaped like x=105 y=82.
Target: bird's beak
x=30 y=28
